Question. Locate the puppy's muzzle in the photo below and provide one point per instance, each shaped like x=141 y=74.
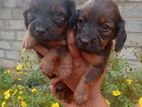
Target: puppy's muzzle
x=85 y=41
x=40 y=29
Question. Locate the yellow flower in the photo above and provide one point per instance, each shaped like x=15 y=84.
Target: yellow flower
x=19 y=79
x=3 y=104
x=20 y=92
x=116 y=93
x=20 y=73
x=23 y=104
x=55 y=105
x=19 y=67
x=34 y=90
x=46 y=94
x=7 y=94
x=20 y=87
x=129 y=81
x=108 y=102
x=7 y=71
x=20 y=98
x=140 y=102
x=15 y=92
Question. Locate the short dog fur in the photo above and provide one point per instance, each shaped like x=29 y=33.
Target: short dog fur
x=47 y=21
x=98 y=24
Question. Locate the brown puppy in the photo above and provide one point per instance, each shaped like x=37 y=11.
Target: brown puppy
x=47 y=21
x=99 y=23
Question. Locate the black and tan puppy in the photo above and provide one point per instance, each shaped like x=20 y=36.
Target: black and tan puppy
x=99 y=23
x=47 y=21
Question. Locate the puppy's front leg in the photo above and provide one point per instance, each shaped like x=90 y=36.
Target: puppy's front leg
x=82 y=92
x=66 y=66
x=49 y=63
x=95 y=73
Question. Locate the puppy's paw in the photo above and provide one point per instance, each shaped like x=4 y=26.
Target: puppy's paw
x=46 y=66
x=28 y=41
x=49 y=63
x=81 y=93
x=80 y=97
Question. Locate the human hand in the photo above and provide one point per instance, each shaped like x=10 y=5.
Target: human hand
x=79 y=69
x=28 y=41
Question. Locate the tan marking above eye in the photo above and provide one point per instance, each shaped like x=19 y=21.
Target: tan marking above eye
x=103 y=19
x=56 y=8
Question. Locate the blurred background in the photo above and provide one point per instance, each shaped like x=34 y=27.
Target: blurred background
x=12 y=29
x=23 y=85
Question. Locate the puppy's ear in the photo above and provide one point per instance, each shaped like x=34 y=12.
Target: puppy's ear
x=120 y=36
x=27 y=4
x=25 y=14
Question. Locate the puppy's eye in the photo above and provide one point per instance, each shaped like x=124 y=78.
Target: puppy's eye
x=33 y=12
x=59 y=15
x=105 y=28
x=32 y=15
x=81 y=22
x=59 y=18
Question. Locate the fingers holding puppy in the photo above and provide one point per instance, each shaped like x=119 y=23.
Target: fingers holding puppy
x=28 y=41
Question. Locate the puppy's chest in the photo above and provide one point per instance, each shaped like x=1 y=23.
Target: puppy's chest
x=93 y=58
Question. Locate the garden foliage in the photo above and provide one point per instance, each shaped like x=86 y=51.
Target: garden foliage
x=25 y=86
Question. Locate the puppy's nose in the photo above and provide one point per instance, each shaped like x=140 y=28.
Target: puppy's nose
x=40 y=29
x=84 y=41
